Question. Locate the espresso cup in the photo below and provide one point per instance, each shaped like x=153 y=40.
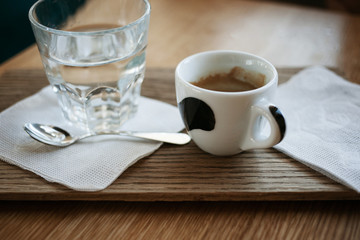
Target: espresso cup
x=227 y=123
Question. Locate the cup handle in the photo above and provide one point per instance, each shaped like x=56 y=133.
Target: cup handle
x=277 y=127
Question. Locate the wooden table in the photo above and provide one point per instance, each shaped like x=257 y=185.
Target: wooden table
x=287 y=35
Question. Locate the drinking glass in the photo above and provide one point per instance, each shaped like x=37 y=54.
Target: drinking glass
x=93 y=53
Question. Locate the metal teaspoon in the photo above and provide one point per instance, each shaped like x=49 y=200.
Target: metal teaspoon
x=56 y=136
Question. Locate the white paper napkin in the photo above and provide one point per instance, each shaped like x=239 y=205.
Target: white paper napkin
x=91 y=164
x=322 y=113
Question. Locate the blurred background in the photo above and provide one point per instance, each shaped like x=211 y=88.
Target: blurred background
x=16 y=33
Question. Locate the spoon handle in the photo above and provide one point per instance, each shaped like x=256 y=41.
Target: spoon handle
x=173 y=138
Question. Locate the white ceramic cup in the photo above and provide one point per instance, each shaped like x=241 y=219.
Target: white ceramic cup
x=227 y=123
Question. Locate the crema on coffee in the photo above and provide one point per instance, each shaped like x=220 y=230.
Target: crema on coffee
x=237 y=80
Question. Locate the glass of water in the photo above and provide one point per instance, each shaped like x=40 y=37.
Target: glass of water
x=93 y=52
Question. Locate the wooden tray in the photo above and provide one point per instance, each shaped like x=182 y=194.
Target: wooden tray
x=174 y=173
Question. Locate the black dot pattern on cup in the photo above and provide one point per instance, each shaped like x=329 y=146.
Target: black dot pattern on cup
x=196 y=114
x=279 y=119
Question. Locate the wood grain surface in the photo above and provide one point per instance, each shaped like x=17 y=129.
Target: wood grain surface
x=286 y=34
x=326 y=220
x=175 y=173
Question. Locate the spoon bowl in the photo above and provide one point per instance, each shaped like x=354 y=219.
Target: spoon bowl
x=55 y=136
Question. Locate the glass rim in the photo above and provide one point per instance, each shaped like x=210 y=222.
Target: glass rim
x=77 y=33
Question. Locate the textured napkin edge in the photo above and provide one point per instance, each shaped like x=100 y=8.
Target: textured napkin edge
x=340 y=78
x=69 y=186
x=328 y=173
x=95 y=189
x=24 y=100
x=42 y=93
